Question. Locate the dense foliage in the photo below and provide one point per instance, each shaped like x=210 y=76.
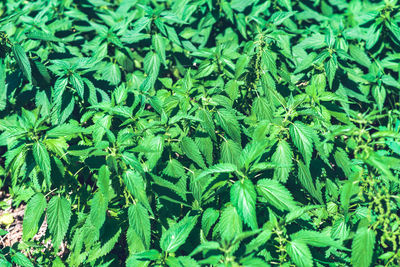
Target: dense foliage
x=202 y=132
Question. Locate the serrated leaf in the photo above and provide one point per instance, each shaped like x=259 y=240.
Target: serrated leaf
x=210 y=216
x=139 y=220
x=191 y=150
x=58 y=217
x=77 y=84
x=306 y=180
x=283 y=159
x=177 y=234
x=299 y=253
x=98 y=209
x=229 y=224
x=243 y=196
x=42 y=159
x=23 y=61
x=33 y=213
x=315 y=239
x=275 y=194
x=363 y=246
x=159 y=46
x=229 y=123
x=302 y=138
x=217 y=168
x=230 y=152
x=21 y=260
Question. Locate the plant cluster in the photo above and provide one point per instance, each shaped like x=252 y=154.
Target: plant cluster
x=202 y=132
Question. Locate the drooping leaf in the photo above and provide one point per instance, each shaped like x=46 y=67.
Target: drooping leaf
x=283 y=160
x=23 y=61
x=42 y=159
x=58 y=218
x=243 y=196
x=302 y=138
x=33 y=213
x=140 y=222
x=363 y=245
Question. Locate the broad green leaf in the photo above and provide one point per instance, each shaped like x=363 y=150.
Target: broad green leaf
x=33 y=213
x=152 y=65
x=23 y=61
x=77 y=84
x=210 y=216
x=218 y=168
x=230 y=152
x=177 y=234
x=315 y=239
x=229 y=224
x=275 y=194
x=307 y=182
x=283 y=158
x=229 y=123
x=159 y=46
x=21 y=260
x=191 y=150
x=299 y=253
x=103 y=181
x=243 y=196
x=302 y=138
x=363 y=246
x=139 y=220
x=98 y=209
x=58 y=217
x=42 y=159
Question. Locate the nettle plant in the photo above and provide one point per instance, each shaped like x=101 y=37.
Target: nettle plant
x=202 y=133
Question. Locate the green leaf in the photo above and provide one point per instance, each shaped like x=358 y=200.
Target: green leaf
x=360 y=56
x=276 y=194
x=330 y=68
x=243 y=197
x=77 y=84
x=282 y=158
x=379 y=93
x=363 y=245
x=58 y=217
x=229 y=123
x=230 y=224
x=230 y=152
x=103 y=181
x=302 y=138
x=191 y=150
x=42 y=159
x=33 y=213
x=3 y=88
x=23 y=61
x=177 y=234
x=140 y=222
x=299 y=253
x=315 y=239
x=306 y=180
x=217 y=168
x=210 y=216
x=152 y=65
x=98 y=209
x=207 y=123
x=21 y=260
x=159 y=46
